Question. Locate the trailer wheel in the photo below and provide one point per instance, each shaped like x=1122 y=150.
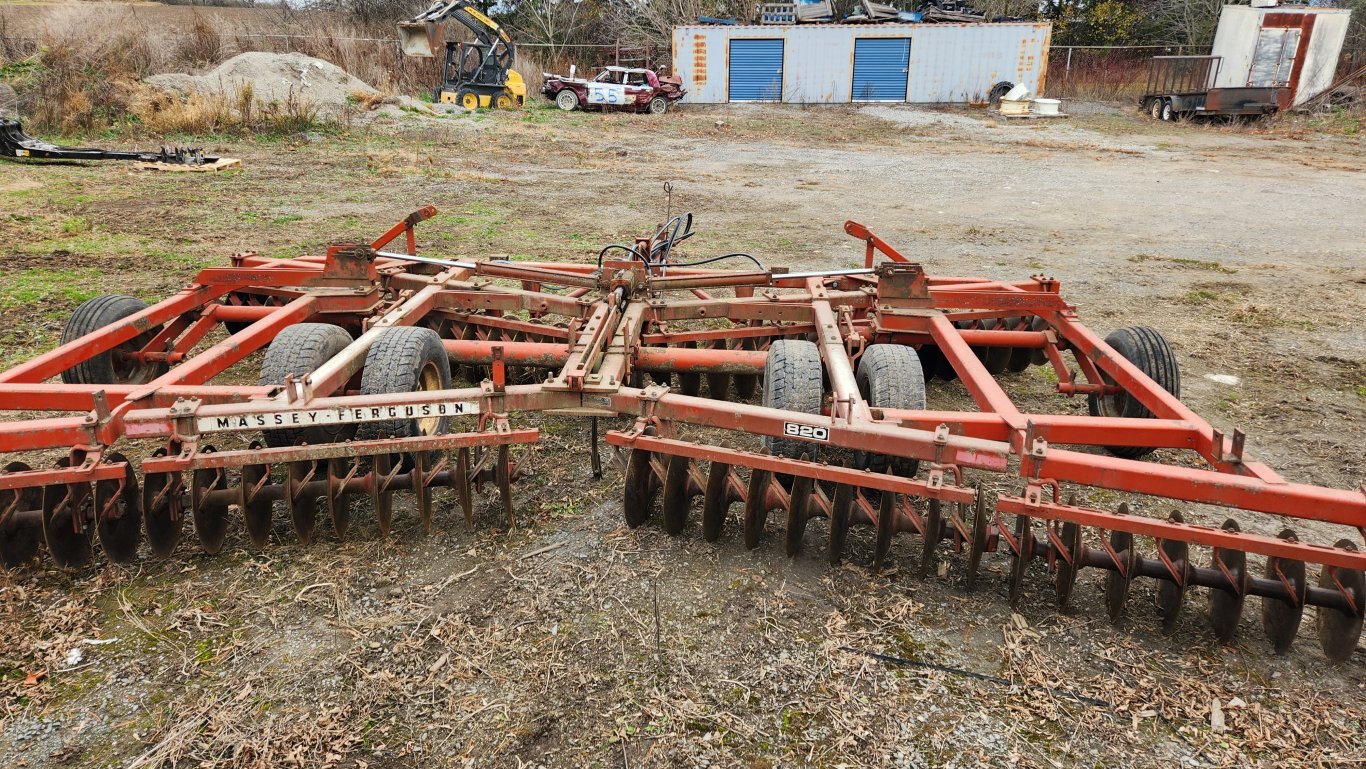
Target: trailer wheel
x=890 y=377
x=1149 y=351
x=403 y=360
x=659 y=105
x=112 y=366
x=792 y=382
x=1154 y=108
x=298 y=350
x=1168 y=115
x=567 y=100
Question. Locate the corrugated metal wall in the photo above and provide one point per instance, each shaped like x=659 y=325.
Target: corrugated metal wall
x=948 y=63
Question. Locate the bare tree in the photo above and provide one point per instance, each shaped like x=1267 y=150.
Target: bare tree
x=1189 y=22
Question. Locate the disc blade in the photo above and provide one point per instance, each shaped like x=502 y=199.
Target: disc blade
x=1172 y=595
x=933 y=523
x=756 y=507
x=716 y=501
x=1339 y=631
x=979 y=537
x=676 y=499
x=66 y=522
x=338 y=501
x=380 y=494
x=1281 y=619
x=162 y=513
x=798 y=508
x=1024 y=535
x=504 y=474
x=462 y=486
x=840 y=507
x=303 y=506
x=118 y=514
x=1066 y=577
x=255 y=510
x=886 y=526
x=640 y=487
x=210 y=518
x=1117 y=584
x=1226 y=606
x=20 y=537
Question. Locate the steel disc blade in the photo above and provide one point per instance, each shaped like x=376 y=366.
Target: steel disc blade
x=380 y=495
x=1339 y=631
x=504 y=475
x=745 y=384
x=462 y=483
x=640 y=487
x=338 y=502
x=1019 y=356
x=66 y=522
x=718 y=386
x=20 y=536
x=210 y=517
x=979 y=537
x=1038 y=356
x=1066 y=577
x=255 y=511
x=1281 y=619
x=1171 y=595
x=162 y=516
x=118 y=514
x=1024 y=534
x=886 y=527
x=933 y=522
x=716 y=501
x=303 y=507
x=1225 y=606
x=422 y=493
x=689 y=384
x=676 y=499
x=1116 y=584
x=756 y=507
x=839 y=521
x=797 y=511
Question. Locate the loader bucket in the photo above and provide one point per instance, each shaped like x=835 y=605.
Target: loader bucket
x=421 y=38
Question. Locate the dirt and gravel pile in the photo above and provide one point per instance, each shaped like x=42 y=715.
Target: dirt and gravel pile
x=273 y=77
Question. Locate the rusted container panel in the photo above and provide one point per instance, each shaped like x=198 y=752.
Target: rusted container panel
x=1280 y=47
x=949 y=63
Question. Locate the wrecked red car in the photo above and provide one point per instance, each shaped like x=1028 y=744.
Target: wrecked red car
x=635 y=90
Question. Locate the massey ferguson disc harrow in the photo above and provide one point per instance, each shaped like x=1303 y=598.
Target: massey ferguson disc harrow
x=355 y=404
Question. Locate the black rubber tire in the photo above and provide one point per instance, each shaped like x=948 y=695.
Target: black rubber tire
x=658 y=105
x=95 y=314
x=300 y=349
x=395 y=364
x=890 y=377
x=1149 y=351
x=567 y=103
x=792 y=382
x=998 y=92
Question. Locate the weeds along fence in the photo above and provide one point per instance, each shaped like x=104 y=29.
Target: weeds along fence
x=1106 y=72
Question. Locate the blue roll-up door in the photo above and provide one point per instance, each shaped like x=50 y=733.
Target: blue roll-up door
x=756 y=70
x=881 y=68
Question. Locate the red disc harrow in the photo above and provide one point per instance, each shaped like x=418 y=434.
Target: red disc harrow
x=820 y=377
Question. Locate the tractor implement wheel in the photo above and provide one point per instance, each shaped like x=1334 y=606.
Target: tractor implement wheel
x=296 y=351
x=792 y=382
x=1149 y=351
x=889 y=377
x=118 y=514
x=113 y=366
x=19 y=540
x=405 y=359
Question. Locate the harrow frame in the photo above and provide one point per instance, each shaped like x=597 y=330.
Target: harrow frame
x=596 y=333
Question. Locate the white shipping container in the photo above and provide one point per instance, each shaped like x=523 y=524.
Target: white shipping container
x=1290 y=46
x=814 y=63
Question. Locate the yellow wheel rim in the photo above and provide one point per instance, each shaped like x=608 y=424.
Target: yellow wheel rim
x=428 y=380
x=504 y=102
x=469 y=101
